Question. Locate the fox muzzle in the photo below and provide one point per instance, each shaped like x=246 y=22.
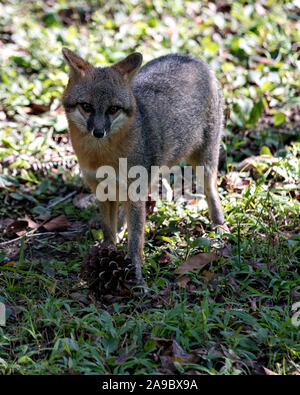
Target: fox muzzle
x=99 y=133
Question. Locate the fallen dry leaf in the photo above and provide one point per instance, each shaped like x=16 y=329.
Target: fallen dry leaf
x=182 y=281
x=174 y=353
x=196 y=262
x=37 y=109
x=17 y=227
x=165 y=257
x=270 y=372
x=56 y=224
x=179 y=353
x=253 y=161
x=31 y=223
x=233 y=181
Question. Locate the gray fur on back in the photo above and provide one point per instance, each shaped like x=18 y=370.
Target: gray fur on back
x=179 y=109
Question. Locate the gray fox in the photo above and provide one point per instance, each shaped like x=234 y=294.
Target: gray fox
x=169 y=110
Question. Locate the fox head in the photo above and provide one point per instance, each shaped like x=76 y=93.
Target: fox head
x=98 y=100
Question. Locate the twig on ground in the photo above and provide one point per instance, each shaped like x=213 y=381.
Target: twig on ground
x=31 y=234
x=26 y=235
x=61 y=200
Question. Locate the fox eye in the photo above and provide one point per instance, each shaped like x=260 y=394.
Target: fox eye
x=113 y=110
x=87 y=107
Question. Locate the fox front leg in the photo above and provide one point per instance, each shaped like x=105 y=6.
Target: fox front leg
x=136 y=213
x=108 y=221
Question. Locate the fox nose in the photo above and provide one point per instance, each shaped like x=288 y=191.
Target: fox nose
x=99 y=133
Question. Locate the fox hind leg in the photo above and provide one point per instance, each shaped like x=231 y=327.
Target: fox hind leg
x=210 y=167
x=212 y=196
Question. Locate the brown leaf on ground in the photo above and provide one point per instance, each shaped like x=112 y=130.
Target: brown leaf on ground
x=174 y=353
x=56 y=224
x=165 y=257
x=196 y=262
x=270 y=372
x=31 y=223
x=233 y=181
x=182 y=281
x=17 y=227
x=180 y=355
x=253 y=161
x=37 y=109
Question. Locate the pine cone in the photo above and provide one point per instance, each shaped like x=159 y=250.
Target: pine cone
x=108 y=273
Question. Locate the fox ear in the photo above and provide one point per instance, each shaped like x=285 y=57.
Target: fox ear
x=78 y=66
x=129 y=66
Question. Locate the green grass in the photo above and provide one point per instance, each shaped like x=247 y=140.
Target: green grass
x=235 y=315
